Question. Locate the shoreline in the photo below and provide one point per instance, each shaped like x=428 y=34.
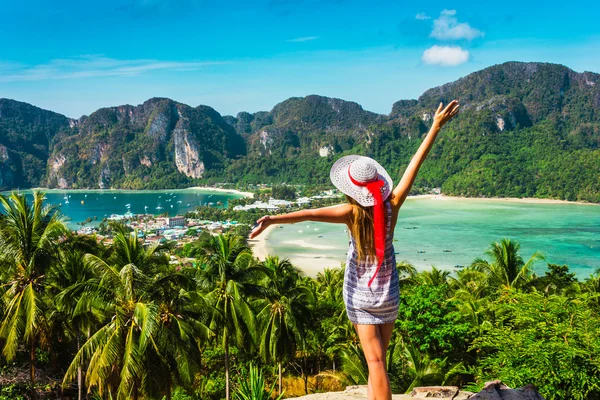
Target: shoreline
x=249 y=195
x=530 y=200
x=310 y=266
x=200 y=188
x=259 y=245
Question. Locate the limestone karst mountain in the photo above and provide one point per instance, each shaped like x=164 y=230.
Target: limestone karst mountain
x=525 y=129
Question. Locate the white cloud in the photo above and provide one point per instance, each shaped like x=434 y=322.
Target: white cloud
x=303 y=39
x=446 y=56
x=447 y=27
x=422 y=16
x=91 y=66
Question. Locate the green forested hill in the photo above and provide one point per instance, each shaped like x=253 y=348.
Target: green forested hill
x=25 y=136
x=525 y=129
x=158 y=144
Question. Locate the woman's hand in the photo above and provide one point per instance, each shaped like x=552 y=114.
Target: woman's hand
x=263 y=223
x=443 y=116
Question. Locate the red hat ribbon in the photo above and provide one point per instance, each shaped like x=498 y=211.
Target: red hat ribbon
x=374 y=188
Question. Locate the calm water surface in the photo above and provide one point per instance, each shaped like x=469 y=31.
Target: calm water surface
x=102 y=203
x=564 y=233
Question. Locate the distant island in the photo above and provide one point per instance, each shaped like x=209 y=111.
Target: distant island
x=525 y=130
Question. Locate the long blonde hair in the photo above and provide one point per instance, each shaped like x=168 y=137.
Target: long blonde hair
x=362 y=229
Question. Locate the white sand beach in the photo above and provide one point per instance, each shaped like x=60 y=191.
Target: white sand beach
x=214 y=189
x=312 y=258
x=312 y=264
x=259 y=245
x=531 y=200
x=305 y=244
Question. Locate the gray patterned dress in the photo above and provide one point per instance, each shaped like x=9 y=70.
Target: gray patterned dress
x=377 y=304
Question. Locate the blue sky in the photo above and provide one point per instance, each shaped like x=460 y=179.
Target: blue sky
x=74 y=57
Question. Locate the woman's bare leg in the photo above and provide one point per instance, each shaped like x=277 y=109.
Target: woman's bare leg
x=373 y=347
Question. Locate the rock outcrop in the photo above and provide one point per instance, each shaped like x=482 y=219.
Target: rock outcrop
x=494 y=390
x=26 y=134
x=124 y=146
x=360 y=392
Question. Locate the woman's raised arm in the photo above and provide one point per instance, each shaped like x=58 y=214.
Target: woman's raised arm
x=441 y=117
x=337 y=214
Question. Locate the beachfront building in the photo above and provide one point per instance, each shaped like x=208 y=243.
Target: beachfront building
x=303 y=200
x=177 y=220
x=87 y=230
x=258 y=205
x=280 y=203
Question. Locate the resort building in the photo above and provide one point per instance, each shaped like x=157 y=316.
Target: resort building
x=177 y=220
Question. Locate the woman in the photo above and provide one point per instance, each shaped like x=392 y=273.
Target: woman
x=371 y=292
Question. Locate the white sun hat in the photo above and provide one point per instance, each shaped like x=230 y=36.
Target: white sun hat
x=362 y=170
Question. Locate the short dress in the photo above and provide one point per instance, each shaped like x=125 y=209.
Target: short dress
x=377 y=304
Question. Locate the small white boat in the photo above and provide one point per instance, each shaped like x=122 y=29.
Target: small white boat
x=115 y=197
x=159 y=208
x=179 y=202
x=66 y=201
x=171 y=205
x=128 y=205
x=300 y=231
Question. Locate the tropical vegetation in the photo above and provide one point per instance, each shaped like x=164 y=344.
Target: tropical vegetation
x=118 y=320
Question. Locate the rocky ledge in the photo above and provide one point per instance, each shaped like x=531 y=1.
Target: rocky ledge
x=494 y=390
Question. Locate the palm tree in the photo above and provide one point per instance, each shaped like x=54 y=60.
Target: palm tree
x=421 y=367
x=229 y=277
x=283 y=312
x=469 y=291
x=592 y=286
x=434 y=277
x=67 y=285
x=426 y=370
x=355 y=369
x=149 y=322
x=507 y=267
x=28 y=236
x=407 y=273
x=330 y=284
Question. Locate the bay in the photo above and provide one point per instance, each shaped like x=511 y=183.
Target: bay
x=566 y=233
x=78 y=205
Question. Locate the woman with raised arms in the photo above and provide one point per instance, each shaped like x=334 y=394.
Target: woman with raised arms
x=371 y=290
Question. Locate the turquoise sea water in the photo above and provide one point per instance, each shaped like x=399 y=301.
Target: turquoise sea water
x=102 y=203
x=564 y=233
